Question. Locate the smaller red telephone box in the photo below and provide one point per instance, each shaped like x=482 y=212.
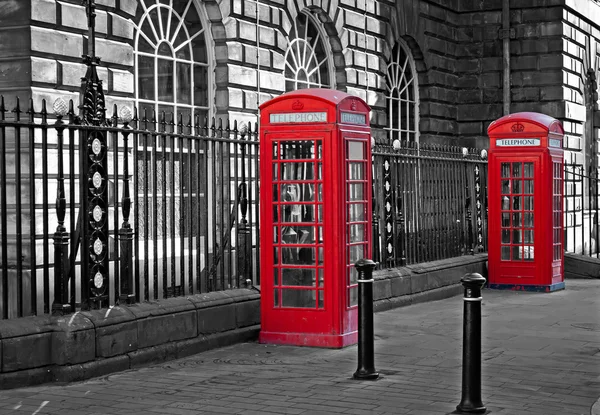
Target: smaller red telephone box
x=525 y=190
x=315 y=199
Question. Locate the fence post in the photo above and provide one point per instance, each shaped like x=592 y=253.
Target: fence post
x=61 y=304
x=479 y=204
x=243 y=235
x=468 y=215
x=366 y=348
x=471 y=371
x=127 y=289
x=374 y=206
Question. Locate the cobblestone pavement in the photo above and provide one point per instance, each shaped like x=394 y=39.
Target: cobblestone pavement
x=541 y=355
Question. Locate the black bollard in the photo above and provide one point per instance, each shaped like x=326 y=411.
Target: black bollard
x=366 y=340
x=470 y=402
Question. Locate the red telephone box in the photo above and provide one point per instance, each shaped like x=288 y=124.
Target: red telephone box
x=315 y=199
x=526 y=203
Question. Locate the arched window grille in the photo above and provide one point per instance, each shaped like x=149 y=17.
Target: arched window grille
x=402 y=96
x=172 y=63
x=307 y=58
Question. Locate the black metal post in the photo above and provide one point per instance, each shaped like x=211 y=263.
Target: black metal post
x=366 y=339
x=243 y=230
x=471 y=371
x=127 y=289
x=61 y=304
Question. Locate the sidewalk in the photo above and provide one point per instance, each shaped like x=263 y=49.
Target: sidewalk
x=541 y=355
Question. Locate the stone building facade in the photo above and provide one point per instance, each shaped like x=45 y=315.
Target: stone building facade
x=432 y=70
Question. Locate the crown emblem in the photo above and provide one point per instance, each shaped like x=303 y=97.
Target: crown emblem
x=297 y=105
x=353 y=105
x=517 y=127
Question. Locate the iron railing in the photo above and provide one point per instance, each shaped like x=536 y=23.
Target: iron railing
x=429 y=203
x=581 y=210
x=180 y=213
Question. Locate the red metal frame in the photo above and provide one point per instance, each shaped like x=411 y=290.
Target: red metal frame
x=525 y=185
x=311 y=165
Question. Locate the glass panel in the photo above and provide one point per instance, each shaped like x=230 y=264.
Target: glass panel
x=184 y=53
x=528 y=186
x=275 y=171
x=298 y=298
x=320 y=192
x=275 y=276
x=505 y=203
x=528 y=202
x=319 y=171
x=275 y=234
x=505 y=169
x=298 y=256
x=517 y=252
x=276 y=295
x=517 y=202
x=165 y=80
x=275 y=213
x=517 y=170
x=356 y=191
x=320 y=213
x=517 y=186
x=297 y=171
x=184 y=82
x=143 y=45
x=356 y=171
x=506 y=220
x=528 y=237
x=146 y=79
x=357 y=233
x=516 y=236
x=275 y=255
x=356 y=252
x=353 y=276
x=321 y=277
x=298 y=277
x=297 y=149
x=505 y=187
x=516 y=220
x=528 y=169
x=356 y=212
x=356 y=150
x=505 y=253
x=505 y=236
x=529 y=220
x=528 y=253
x=200 y=86
x=353 y=292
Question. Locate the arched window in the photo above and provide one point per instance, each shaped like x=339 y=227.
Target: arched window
x=172 y=60
x=402 y=96
x=307 y=59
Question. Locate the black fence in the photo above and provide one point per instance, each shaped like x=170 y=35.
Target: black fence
x=430 y=203
x=581 y=207
x=180 y=208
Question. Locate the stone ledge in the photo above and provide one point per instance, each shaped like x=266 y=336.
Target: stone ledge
x=580 y=266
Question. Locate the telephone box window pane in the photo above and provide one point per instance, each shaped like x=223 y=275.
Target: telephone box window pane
x=529 y=220
x=517 y=202
x=516 y=236
x=529 y=186
x=321 y=299
x=275 y=193
x=356 y=171
x=319 y=171
x=356 y=212
x=516 y=252
x=356 y=150
x=356 y=252
x=357 y=233
x=528 y=237
x=275 y=234
x=505 y=236
x=275 y=255
x=301 y=277
x=320 y=192
x=275 y=276
x=321 y=277
x=275 y=214
x=505 y=253
x=505 y=169
x=528 y=169
x=528 y=253
x=353 y=276
x=506 y=220
x=298 y=298
x=297 y=149
x=297 y=171
x=516 y=220
x=517 y=170
x=298 y=256
x=356 y=191
x=505 y=187
x=353 y=294
x=274 y=151
x=321 y=256
x=516 y=186
x=276 y=297
x=275 y=171
x=505 y=203
x=528 y=202
x=320 y=213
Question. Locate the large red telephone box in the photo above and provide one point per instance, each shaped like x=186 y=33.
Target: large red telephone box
x=315 y=199
x=525 y=185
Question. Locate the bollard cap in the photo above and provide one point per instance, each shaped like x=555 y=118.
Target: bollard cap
x=473 y=280
x=365 y=263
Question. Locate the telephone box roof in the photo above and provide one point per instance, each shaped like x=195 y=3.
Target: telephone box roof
x=543 y=121
x=330 y=96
